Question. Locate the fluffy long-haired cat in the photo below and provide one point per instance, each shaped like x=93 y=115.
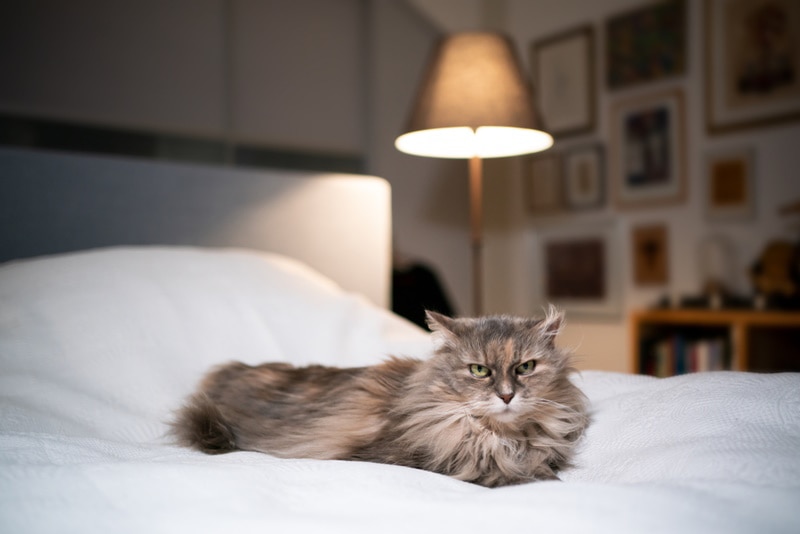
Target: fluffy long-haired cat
x=493 y=405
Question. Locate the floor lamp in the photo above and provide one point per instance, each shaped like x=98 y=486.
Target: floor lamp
x=473 y=103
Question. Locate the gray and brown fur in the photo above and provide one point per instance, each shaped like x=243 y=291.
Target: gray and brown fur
x=429 y=414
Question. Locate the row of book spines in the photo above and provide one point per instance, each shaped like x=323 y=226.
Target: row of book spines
x=674 y=355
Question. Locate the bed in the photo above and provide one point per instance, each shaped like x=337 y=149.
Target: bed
x=99 y=346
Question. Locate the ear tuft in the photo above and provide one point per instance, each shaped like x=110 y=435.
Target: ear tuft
x=437 y=321
x=442 y=328
x=552 y=323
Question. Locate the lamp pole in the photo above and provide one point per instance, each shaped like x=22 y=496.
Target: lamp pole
x=476 y=231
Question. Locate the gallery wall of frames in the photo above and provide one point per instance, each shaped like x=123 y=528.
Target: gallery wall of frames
x=673 y=180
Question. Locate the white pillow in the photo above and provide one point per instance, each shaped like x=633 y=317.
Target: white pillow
x=87 y=336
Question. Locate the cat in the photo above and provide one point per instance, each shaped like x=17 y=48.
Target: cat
x=493 y=405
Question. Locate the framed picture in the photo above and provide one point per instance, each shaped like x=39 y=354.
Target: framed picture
x=648 y=159
x=752 y=63
x=650 y=255
x=577 y=269
x=646 y=44
x=729 y=191
x=584 y=181
x=543 y=183
x=563 y=71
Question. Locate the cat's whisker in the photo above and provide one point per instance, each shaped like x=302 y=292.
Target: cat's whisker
x=549 y=402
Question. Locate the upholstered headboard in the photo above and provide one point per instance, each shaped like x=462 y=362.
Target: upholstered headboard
x=339 y=224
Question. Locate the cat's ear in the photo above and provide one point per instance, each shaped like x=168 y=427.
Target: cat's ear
x=437 y=321
x=551 y=325
x=443 y=327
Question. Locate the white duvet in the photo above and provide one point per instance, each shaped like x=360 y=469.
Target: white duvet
x=97 y=348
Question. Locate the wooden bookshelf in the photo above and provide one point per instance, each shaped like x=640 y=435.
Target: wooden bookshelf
x=750 y=340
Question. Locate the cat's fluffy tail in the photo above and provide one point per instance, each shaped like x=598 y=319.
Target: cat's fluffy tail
x=200 y=425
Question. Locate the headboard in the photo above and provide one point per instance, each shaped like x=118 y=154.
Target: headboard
x=339 y=224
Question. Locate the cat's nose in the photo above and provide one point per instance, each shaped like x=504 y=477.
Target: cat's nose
x=506 y=397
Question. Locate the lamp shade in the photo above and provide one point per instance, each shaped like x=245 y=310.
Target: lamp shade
x=473 y=101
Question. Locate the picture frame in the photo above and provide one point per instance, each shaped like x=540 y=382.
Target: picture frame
x=752 y=63
x=650 y=244
x=649 y=160
x=730 y=184
x=543 y=177
x=578 y=269
x=646 y=44
x=564 y=77
x=584 y=177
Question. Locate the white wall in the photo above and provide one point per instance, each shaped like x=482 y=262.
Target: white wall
x=147 y=64
x=298 y=73
x=285 y=74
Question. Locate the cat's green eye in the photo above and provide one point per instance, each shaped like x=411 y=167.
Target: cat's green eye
x=479 y=371
x=526 y=368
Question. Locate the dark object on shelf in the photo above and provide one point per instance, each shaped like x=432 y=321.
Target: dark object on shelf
x=726 y=302
x=776 y=275
x=780 y=302
x=707 y=302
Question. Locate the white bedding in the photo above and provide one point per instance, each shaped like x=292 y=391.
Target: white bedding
x=97 y=348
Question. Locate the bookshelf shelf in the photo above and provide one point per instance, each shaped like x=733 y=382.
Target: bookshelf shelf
x=674 y=341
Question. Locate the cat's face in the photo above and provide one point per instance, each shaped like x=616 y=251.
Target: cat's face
x=502 y=368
